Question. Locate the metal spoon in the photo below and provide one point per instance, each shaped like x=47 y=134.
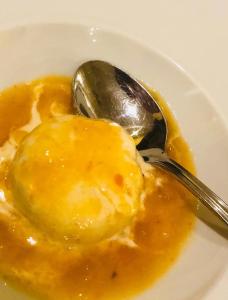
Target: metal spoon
x=101 y=90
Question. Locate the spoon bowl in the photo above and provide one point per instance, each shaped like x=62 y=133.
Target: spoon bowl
x=101 y=90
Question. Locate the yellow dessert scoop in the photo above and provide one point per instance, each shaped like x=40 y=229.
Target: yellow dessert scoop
x=77 y=179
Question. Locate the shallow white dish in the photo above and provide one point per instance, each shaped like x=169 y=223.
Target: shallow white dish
x=29 y=52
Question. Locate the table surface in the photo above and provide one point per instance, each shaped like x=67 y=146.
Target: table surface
x=193 y=33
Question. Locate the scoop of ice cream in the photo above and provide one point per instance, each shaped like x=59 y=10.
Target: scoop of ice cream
x=77 y=179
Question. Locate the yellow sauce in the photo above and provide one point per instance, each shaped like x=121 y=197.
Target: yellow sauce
x=33 y=263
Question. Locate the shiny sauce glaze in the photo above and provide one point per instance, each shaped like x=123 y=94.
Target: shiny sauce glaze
x=112 y=270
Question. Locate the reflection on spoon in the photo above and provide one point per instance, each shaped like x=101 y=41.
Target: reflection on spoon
x=101 y=90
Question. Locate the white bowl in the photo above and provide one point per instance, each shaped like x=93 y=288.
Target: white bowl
x=36 y=50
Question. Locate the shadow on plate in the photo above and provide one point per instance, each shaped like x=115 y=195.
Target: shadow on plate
x=211 y=220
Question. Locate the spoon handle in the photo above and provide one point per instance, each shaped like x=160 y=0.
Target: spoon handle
x=158 y=158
